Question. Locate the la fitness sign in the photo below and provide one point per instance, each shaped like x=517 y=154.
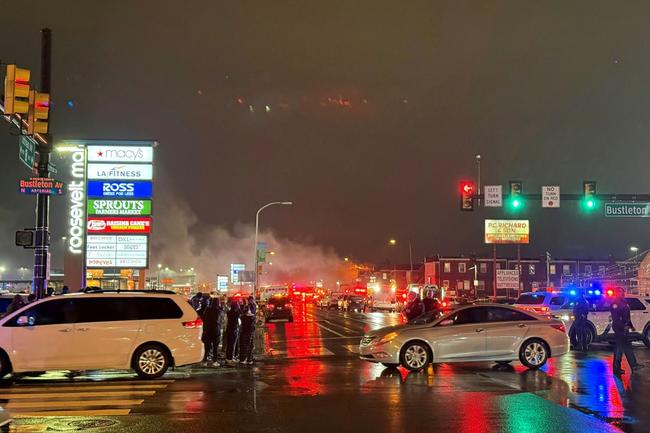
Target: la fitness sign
x=77 y=201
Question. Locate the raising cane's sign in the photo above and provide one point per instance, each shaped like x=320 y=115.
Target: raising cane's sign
x=97 y=225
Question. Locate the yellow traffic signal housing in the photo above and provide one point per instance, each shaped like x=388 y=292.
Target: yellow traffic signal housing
x=39 y=111
x=16 y=90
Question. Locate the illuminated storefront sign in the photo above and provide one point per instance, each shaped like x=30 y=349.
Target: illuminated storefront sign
x=119 y=207
x=77 y=205
x=112 y=251
x=119 y=225
x=120 y=153
x=97 y=188
x=507 y=231
x=120 y=171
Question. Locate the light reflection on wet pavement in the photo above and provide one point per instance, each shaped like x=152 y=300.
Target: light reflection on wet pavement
x=310 y=380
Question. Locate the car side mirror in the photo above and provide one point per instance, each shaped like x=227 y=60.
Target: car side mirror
x=447 y=322
x=25 y=321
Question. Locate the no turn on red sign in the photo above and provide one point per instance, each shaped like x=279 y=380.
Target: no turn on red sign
x=550 y=196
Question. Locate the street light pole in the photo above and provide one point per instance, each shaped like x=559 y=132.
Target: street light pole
x=478 y=177
x=257 y=228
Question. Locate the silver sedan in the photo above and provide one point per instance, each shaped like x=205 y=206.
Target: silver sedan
x=487 y=332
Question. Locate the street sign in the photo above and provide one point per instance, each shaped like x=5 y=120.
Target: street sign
x=41 y=185
x=507 y=231
x=235 y=269
x=551 y=196
x=222 y=283
x=26 y=151
x=493 y=196
x=627 y=210
x=507 y=279
x=261 y=252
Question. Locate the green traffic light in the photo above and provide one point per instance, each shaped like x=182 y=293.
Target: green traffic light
x=515 y=203
x=590 y=204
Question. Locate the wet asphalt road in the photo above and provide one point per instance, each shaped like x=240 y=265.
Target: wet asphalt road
x=310 y=380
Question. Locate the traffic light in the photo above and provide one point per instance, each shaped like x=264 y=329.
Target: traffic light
x=589 y=191
x=16 y=90
x=39 y=111
x=467 y=196
x=516 y=200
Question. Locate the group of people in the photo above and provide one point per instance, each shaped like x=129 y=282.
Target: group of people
x=415 y=306
x=238 y=321
x=621 y=325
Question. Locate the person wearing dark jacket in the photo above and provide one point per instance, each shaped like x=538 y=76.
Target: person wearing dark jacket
x=580 y=312
x=16 y=304
x=212 y=317
x=621 y=325
x=430 y=303
x=247 y=331
x=232 y=330
x=414 y=306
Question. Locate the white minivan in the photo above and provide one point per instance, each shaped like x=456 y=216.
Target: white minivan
x=144 y=331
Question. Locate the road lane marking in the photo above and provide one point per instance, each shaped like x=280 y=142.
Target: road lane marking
x=19 y=389
x=330 y=330
x=96 y=412
x=70 y=403
x=12 y=396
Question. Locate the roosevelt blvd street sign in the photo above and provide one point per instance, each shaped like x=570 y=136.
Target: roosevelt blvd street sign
x=634 y=210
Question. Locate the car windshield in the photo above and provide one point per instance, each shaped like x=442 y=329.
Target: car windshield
x=530 y=299
x=428 y=317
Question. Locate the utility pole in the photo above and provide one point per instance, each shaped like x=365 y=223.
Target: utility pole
x=548 y=269
x=42 y=233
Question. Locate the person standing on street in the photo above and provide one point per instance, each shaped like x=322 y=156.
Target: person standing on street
x=580 y=312
x=622 y=325
x=430 y=302
x=211 y=332
x=247 y=332
x=414 y=306
x=232 y=331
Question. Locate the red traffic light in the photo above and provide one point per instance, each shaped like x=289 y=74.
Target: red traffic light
x=467 y=187
x=467 y=196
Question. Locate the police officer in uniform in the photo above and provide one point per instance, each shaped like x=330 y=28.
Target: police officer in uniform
x=622 y=325
x=580 y=312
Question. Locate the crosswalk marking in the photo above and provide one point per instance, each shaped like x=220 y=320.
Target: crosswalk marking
x=74 y=403
x=21 y=395
x=107 y=398
x=94 y=412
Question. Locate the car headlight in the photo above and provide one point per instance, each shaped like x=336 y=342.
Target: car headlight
x=386 y=338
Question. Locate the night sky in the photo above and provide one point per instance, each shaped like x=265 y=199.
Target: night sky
x=365 y=113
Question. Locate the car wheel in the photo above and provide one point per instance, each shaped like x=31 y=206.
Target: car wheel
x=591 y=337
x=415 y=356
x=533 y=353
x=646 y=337
x=388 y=365
x=151 y=361
x=5 y=365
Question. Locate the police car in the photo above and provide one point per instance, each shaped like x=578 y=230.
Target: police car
x=599 y=319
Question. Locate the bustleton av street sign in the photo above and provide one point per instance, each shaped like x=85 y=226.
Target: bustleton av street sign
x=634 y=210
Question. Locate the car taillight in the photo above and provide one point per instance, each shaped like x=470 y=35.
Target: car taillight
x=288 y=306
x=270 y=306
x=559 y=326
x=198 y=323
x=444 y=303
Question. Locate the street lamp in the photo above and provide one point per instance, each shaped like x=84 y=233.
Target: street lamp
x=257 y=228
x=634 y=249
x=478 y=169
x=158 y=277
x=393 y=242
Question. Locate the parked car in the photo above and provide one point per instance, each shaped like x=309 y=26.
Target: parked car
x=144 y=331
x=329 y=302
x=354 y=303
x=278 y=308
x=487 y=332
x=541 y=302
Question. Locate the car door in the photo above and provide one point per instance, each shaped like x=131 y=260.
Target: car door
x=460 y=336
x=639 y=314
x=106 y=330
x=506 y=329
x=43 y=337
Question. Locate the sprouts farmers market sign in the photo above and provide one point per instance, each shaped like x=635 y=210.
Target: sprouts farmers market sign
x=507 y=231
x=119 y=207
x=633 y=210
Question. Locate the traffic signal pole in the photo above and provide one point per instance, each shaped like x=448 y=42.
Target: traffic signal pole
x=42 y=235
